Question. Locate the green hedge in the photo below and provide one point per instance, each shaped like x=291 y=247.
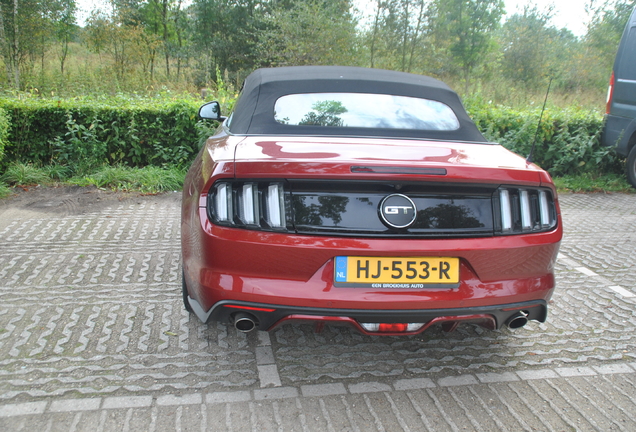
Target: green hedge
x=568 y=140
x=4 y=133
x=89 y=132
x=82 y=133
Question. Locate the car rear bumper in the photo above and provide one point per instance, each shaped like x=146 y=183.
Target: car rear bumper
x=226 y=269
x=268 y=317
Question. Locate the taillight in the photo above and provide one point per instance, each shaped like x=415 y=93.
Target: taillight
x=523 y=210
x=223 y=207
x=249 y=204
x=610 y=94
x=275 y=206
x=247 y=196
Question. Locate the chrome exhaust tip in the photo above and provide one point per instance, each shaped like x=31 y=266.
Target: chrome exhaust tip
x=518 y=320
x=244 y=322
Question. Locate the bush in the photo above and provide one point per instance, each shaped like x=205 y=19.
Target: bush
x=82 y=134
x=4 y=133
x=568 y=140
x=78 y=136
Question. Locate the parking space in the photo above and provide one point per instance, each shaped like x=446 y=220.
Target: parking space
x=93 y=335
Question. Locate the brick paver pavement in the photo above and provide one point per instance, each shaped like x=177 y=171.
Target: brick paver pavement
x=93 y=336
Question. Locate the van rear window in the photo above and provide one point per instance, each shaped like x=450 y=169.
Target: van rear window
x=627 y=66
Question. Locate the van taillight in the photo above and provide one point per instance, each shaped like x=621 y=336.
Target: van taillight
x=610 y=94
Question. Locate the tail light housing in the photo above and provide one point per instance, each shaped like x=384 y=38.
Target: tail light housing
x=523 y=210
x=610 y=94
x=261 y=205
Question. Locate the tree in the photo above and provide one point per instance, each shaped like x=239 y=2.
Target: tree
x=606 y=26
x=325 y=113
x=26 y=27
x=10 y=39
x=226 y=33
x=468 y=26
x=528 y=43
x=309 y=32
x=65 y=28
x=397 y=32
x=179 y=47
x=607 y=23
x=156 y=17
x=124 y=43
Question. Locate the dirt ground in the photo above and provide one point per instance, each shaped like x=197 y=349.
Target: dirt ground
x=62 y=200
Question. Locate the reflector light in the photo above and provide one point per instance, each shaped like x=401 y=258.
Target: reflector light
x=610 y=94
x=506 y=213
x=392 y=327
x=250 y=308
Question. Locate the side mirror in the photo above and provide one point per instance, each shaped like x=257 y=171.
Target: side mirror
x=211 y=111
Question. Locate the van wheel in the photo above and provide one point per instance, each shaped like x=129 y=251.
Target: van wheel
x=631 y=167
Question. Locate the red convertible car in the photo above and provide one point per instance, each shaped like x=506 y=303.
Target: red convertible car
x=363 y=197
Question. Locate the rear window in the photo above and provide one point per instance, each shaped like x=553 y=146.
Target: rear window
x=627 y=68
x=364 y=110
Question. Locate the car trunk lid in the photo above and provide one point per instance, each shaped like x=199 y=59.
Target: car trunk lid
x=367 y=158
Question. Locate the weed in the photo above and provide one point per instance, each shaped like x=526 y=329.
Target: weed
x=5 y=191
x=57 y=172
x=147 y=180
x=80 y=149
x=589 y=182
x=25 y=174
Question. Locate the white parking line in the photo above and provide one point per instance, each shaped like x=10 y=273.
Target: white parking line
x=586 y=271
x=265 y=363
x=622 y=291
x=563 y=259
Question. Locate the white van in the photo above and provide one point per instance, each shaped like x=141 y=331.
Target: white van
x=620 y=115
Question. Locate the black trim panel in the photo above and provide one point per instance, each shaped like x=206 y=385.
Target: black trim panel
x=537 y=310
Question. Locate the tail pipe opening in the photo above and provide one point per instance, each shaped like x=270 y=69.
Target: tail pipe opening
x=518 y=320
x=245 y=322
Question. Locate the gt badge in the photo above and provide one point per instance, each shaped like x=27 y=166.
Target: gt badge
x=398 y=211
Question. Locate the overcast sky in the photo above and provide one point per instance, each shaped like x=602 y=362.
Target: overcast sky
x=567 y=13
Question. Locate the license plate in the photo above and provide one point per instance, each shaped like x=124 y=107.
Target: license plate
x=393 y=272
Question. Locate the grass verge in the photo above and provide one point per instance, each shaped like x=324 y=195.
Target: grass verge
x=117 y=178
x=146 y=180
x=5 y=191
x=587 y=183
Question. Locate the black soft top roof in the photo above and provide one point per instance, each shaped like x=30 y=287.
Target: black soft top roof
x=254 y=110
